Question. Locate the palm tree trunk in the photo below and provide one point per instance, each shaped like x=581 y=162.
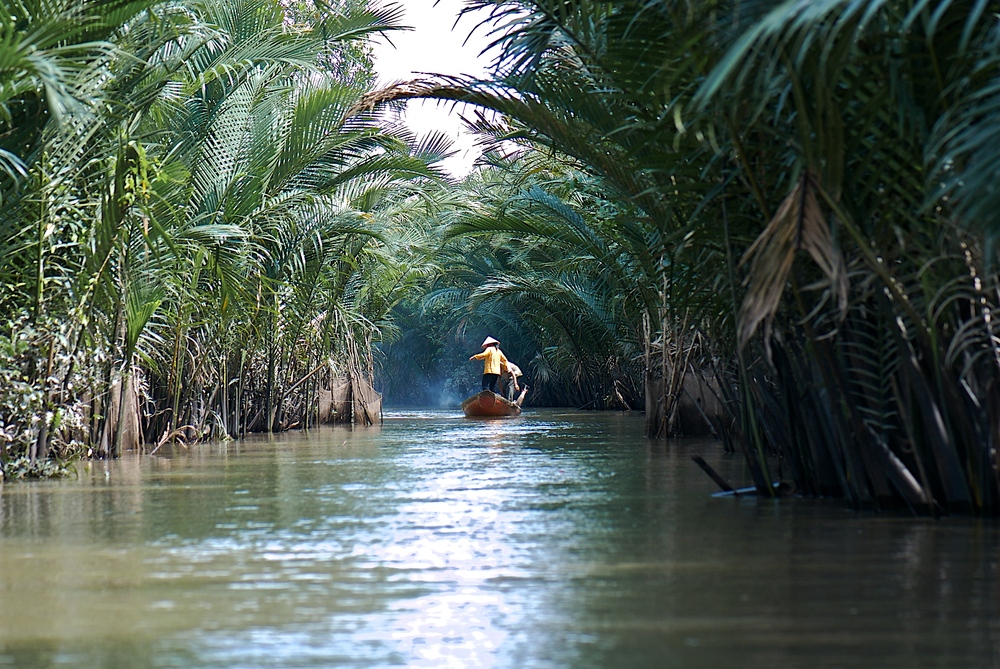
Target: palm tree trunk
x=40 y=240
x=174 y=379
x=124 y=390
x=269 y=407
x=240 y=418
x=224 y=399
x=662 y=427
x=41 y=448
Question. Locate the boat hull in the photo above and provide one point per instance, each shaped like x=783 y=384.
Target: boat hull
x=488 y=404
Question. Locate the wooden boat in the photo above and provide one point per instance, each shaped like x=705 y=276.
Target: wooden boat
x=487 y=404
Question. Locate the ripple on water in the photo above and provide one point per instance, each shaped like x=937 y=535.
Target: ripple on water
x=553 y=540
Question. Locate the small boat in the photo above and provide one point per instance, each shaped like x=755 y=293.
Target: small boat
x=488 y=404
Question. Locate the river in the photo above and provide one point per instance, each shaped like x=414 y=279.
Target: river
x=554 y=540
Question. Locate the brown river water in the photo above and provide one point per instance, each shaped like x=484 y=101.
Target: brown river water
x=554 y=540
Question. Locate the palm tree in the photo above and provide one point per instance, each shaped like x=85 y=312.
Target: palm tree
x=278 y=162
x=201 y=218
x=547 y=271
x=573 y=98
x=855 y=131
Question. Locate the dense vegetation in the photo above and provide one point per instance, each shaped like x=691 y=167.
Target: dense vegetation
x=520 y=256
x=790 y=203
x=194 y=217
x=797 y=198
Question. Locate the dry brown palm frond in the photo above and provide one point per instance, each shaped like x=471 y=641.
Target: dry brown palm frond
x=393 y=92
x=799 y=224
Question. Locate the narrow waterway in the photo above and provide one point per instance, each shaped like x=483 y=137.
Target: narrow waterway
x=555 y=540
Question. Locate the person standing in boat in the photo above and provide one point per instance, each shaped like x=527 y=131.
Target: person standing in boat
x=494 y=362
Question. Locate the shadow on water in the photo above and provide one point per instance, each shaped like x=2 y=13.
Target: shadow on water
x=556 y=539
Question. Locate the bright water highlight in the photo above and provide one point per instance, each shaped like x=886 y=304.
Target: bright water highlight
x=555 y=540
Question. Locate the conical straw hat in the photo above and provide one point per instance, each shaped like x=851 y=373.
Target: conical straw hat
x=490 y=340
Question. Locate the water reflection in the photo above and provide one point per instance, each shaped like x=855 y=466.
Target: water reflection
x=553 y=540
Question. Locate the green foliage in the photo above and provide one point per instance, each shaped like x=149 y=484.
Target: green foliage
x=24 y=468
x=547 y=276
x=51 y=56
x=732 y=136
x=211 y=208
x=23 y=400
x=213 y=217
x=35 y=361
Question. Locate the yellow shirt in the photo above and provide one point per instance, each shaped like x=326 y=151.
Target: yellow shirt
x=496 y=361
